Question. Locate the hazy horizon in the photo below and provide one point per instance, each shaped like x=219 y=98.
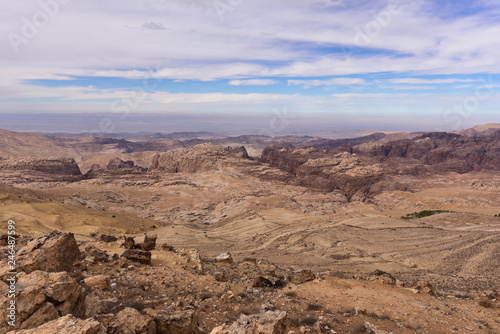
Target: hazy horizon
x=274 y=124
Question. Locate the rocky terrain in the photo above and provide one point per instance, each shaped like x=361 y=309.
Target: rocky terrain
x=387 y=233
x=115 y=285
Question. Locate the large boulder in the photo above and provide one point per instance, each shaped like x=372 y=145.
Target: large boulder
x=100 y=302
x=45 y=313
x=175 y=322
x=130 y=321
x=28 y=300
x=66 y=325
x=270 y=322
x=191 y=257
x=127 y=321
x=53 y=252
x=137 y=255
x=148 y=244
x=42 y=297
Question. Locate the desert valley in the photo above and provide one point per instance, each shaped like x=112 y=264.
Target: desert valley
x=384 y=232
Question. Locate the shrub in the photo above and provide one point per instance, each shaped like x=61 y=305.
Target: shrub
x=359 y=329
x=424 y=213
x=308 y=321
x=486 y=303
x=313 y=307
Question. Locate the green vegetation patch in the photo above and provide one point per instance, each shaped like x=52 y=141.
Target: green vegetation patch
x=424 y=213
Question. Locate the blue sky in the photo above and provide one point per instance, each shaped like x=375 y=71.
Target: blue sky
x=383 y=61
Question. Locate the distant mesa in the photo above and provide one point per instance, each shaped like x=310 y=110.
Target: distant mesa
x=200 y=158
x=116 y=166
x=41 y=170
x=484 y=130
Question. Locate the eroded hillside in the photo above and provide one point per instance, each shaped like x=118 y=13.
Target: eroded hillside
x=420 y=208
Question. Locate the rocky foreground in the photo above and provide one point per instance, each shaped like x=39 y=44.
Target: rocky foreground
x=117 y=285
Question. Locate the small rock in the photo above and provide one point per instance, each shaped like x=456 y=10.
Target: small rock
x=99 y=282
x=423 y=287
x=129 y=242
x=149 y=242
x=279 y=284
x=108 y=238
x=225 y=257
x=379 y=275
x=167 y=248
x=360 y=311
x=261 y=282
x=371 y=329
x=303 y=276
x=220 y=276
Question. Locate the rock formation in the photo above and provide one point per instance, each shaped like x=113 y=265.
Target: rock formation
x=267 y=322
x=53 y=252
x=40 y=170
x=115 y=167
x=199 y=158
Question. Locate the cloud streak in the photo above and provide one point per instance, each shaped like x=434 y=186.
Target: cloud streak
x=330 y=82
x=253 y=82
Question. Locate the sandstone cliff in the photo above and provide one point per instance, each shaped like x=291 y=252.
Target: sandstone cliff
x=445 y=152
x=40 y=170
x=115 y=167
x=199 y=158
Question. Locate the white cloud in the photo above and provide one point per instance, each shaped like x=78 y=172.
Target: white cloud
x=193 y=36
x=153 y=26
x=409 y=87
x=415 y=81
x=363 y=95
x=253 y=82
x=257 y=43
x=336 y=81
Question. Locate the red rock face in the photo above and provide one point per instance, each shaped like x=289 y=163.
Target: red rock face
x=366 y=172
x=199 y=158
x=115 y=167
x=445 y=152
x=327 y=170
x=42 y=170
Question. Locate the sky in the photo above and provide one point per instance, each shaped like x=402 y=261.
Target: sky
x=384 y=64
